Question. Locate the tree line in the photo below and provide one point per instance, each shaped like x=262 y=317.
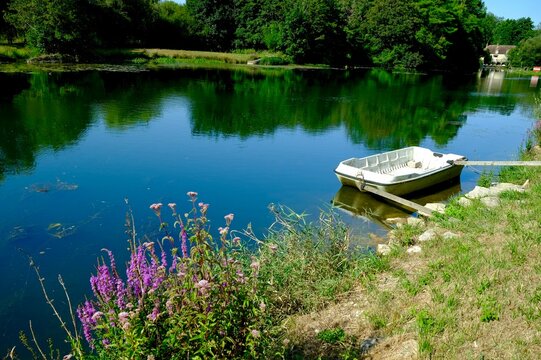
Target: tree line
x=417 y=34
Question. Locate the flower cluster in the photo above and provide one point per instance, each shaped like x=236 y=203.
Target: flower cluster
x=177 y=300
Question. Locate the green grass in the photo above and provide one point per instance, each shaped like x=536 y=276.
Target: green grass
x=458 y=295
x=15 y=53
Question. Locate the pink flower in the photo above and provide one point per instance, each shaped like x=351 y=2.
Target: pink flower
x=236 y=240
x=149 y=245
x=156 y=208
x=273 y=248
x=262 y=306
x=173 y=207
x=223 y=231
x=255 y=265
x=203 y=208
x=97 y=315
x=255 y=333
x=203 y=286
x=192 y=194
x=228 y=218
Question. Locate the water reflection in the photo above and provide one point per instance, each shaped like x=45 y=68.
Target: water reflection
x=378 y=210
x=379 y=109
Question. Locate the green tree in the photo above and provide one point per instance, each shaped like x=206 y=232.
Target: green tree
x=527 y=53
x=214 y=22
x=122 y=22
x=512 y=31
x=51 y=26
x=488 y=24
x=313 y=32
x=4 y=26
x=354 y=15
x=172 y=26
x=467 y=42
x=259 y=23
x=389 y=33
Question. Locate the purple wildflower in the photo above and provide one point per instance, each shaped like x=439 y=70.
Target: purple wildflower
x=134 y=272
x=102 y=283
x=173 y=266
x=255 y=333
x=121 y=294
x=111 y=260
x=85 y=313
x=164 y=258
x=184 y=243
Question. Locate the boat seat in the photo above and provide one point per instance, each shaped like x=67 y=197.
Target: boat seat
x=390 y=169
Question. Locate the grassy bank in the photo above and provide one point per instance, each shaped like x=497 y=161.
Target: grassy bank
x=9 y=53
x=473 y=291
x=152 y=56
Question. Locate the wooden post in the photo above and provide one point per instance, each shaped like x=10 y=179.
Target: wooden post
x=497 y=163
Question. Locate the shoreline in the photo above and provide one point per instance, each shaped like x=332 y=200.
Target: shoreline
x=464 y=284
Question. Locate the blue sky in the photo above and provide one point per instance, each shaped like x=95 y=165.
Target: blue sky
x=508 y=9
x=514 y=9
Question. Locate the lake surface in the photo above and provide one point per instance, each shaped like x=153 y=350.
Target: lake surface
x=75 y=145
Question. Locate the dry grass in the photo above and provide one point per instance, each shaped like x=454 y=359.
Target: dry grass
x=470 y=297
x=230 y=58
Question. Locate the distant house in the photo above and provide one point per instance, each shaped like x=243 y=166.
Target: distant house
x=498 y=53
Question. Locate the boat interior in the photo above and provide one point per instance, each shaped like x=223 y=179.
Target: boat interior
x=399 y=162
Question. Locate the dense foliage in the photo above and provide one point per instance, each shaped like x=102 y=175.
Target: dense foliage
x=527 y=53
x=420 y=34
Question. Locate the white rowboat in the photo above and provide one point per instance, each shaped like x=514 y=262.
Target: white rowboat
x=400 y=171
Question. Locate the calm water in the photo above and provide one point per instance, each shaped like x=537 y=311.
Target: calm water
x=74 y=145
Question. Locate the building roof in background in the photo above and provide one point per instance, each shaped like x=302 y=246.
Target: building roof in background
x=499 y=49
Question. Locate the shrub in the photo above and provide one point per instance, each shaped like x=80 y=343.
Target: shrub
x=199 y=301
x=274 y=60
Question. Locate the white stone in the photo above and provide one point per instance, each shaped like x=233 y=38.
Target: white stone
x=439 y=207
x=464 y=201
x=414 y=221
x=414 y=249
x=383 y=249
x=507 y=187
x=491 y=201
x=396 y=220
x=449 y=235
x=478 y=192
x=428 y=235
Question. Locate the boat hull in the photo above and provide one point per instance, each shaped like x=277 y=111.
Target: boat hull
x=405 y=187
